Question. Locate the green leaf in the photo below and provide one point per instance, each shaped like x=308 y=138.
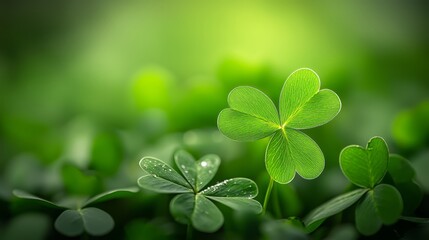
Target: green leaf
x=162 y=178
x=334 y=206
x=206 y=216
x=415 y=219
x=251 y=116
x=381 y=205
x=236 y=193
x=198 y=210
x=292 y=150
x=234 y=187
x=40 y=201
x=94 y=221
x=182 y=206
x=197 y=173
x=116 y=193
x=400 y=169
x=78 y=182
x=160 y=185
x=411 y=195
x=302 y=105
x=365 y=167
x=239 y=203
x=106 y=153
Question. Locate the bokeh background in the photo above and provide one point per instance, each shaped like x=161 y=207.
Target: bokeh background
x=87 y=88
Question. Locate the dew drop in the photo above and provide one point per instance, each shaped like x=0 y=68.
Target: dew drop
x=204 y=164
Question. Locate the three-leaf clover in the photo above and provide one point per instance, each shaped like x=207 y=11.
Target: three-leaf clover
x=80 y=216
x=379 y=203
x=193 y=205
x=252 y=115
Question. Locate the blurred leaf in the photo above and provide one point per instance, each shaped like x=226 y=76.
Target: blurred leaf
x=33 y=226
x=415 y=219
x=382 y=205
x=35 y=200
x=197 y=173
x=289 y=151
x=106 y=153
x=251 y=116
x=279 y=230
x=400 y=169
x=77 y=182
x=153 y=230
x=365 y=167
x=342 y=232
x=411 y=195
x=113 y=194
x=410 y=129
x=94 y=221
x=421 y=164
x=302 y=105
x=333 y=206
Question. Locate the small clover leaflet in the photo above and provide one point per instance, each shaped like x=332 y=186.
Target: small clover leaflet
x=378 y=203
x=79 y=216
x=193 y=205
x=252 y=115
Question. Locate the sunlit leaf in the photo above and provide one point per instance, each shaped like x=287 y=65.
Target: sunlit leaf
x=302 y=105
x=252 y=115
x=94 y=221
x=334 y=206
x=382 y=205
x=365 y=167
x=292 y=151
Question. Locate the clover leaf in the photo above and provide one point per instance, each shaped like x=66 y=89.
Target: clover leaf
x=379 y=203
x=365 y=167
x=252 y=115
x=194 y=203
x=80 y=217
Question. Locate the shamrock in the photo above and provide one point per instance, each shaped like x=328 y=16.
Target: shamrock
x=193 y=205
x=252 y=115
x=379 y=203
x=78 y=215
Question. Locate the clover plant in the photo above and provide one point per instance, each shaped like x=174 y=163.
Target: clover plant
x=252 y=115
x=194 y=206
x=80 y=216
x=378 y=203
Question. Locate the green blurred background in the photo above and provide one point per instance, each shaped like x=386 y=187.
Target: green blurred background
x=87 y=88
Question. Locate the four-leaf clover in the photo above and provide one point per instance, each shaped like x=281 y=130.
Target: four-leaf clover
x=252 y=115
x=193 y=205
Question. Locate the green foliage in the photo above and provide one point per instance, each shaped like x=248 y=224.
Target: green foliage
x=365 y=167
x=379 y=203
x=252 y=116
x=78 y=216
x=332 y=207
x=193 y=205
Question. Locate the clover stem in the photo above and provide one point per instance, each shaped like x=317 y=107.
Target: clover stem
x=267 y=195
x=277 y=208
x=189 y=232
